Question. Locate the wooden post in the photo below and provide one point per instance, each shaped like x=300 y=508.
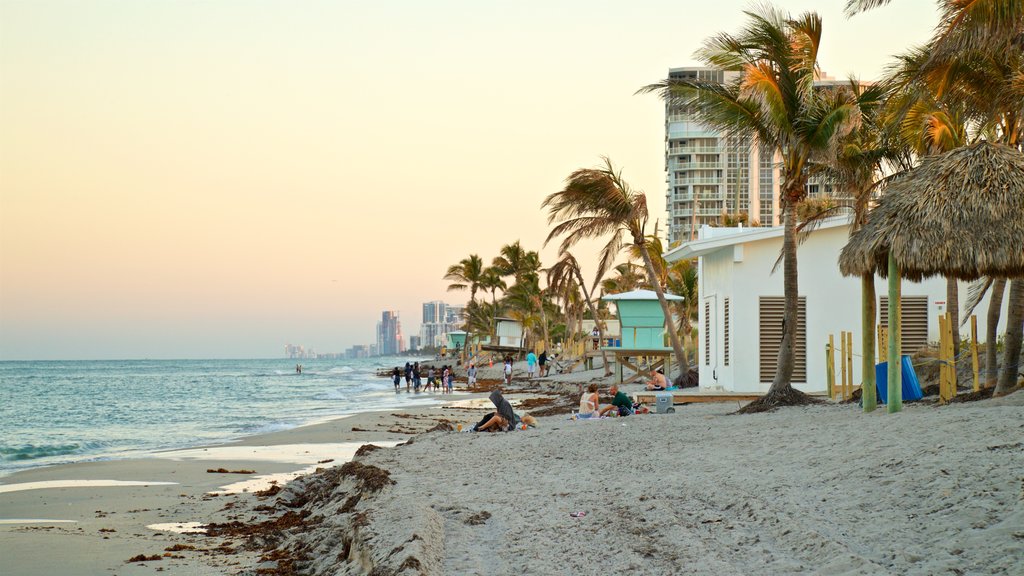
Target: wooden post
x=947 y=355
x=849 y=362
x=943 y=375
x=894 y=394
x=883 y=338
x=974 y=352
x=842 y=364
x=830 y=367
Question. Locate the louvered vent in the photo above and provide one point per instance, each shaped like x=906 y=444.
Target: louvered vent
x=725 y=332
x=707 y=333
x=915 y=321
x=772 y=311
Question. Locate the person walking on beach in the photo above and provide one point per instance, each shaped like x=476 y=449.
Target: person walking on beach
x=508 y=371
x=408 y=376
x=416 y=381
x=446 y=373
x=431 y=382
x=451 y=381
x=531 y=365
x=471 y=375
x=542 y=362
x=396 y=377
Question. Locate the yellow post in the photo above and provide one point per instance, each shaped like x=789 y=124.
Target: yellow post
x=974 y=352
x=849 y=361
x=883 y=337
x=942 y=357
x=830 y=367
x=951 y=354
x=842 y=364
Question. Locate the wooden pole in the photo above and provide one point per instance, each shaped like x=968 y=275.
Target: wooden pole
x=974 y=352
x=842 y=365
x=849 y=362
x=943 y=360
x=894 y=395
x=830 y=367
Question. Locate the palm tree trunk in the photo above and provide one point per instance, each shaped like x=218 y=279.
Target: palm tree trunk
x=1012 y=343
x=784 y=368
x=670 y=324
x=868 y=394
x=597 y=321
x=995 y=309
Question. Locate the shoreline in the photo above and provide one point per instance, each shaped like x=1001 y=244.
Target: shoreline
x=98 y=525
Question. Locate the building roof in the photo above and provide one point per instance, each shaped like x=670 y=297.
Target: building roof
x=640 y=295
x=715 y=239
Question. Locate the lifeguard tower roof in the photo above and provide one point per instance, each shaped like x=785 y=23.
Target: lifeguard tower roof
x=640 y=295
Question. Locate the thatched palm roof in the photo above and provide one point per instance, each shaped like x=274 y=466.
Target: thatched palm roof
x=958 y=214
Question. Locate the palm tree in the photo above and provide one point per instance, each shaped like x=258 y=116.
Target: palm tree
x=566 y=273
x=491 y=281
x=769 y=92
x=681 y=280
x=628 y=276
x=517 y=262
x=466 y=274
x=597 y=202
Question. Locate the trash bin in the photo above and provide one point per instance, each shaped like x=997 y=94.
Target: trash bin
x=911 y=386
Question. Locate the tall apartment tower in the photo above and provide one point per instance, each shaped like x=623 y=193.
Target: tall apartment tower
x=709 y=174
x=389 y=334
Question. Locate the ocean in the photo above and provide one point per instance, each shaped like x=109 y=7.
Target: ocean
x=72 y=411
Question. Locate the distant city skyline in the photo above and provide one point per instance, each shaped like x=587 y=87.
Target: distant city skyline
x=217 y=179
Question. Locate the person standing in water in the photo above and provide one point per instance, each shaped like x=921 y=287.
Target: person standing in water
x=396 y=377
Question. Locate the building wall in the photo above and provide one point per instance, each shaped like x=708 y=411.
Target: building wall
x=833 y=305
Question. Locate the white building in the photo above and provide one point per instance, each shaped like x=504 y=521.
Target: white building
x=740 y=323
x=709 y=174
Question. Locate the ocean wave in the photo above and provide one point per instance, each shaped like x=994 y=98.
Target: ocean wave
x=33 y=452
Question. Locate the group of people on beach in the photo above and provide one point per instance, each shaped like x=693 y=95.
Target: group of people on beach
x=621 y=404
x=443 y=379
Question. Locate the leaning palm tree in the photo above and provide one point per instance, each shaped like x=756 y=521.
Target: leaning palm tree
x=466 y=274
x=769 y=92
x=566 y=273
x=597 y=202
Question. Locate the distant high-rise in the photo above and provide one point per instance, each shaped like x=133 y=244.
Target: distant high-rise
x=389 y=334
x=710 y=174
x=439 y=319
x=434 y=311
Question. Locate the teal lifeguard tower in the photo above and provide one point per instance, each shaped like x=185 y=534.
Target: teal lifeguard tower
x=456 y=340
x=642 y=324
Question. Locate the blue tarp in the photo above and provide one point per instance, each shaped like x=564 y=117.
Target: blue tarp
x=911 y=387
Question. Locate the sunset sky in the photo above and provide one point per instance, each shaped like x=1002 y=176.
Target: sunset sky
x=215 y=179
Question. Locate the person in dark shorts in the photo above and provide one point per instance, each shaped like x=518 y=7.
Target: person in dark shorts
x=621 y=404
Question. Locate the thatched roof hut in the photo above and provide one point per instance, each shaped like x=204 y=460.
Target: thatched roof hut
x=958 y=214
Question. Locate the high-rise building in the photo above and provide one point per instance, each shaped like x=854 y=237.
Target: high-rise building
x=389 y=334
x=434 y=311
x=710 y=173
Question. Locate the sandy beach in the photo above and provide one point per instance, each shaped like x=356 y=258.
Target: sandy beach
x=821 y=489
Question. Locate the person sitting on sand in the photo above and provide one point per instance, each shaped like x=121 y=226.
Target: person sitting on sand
x=589 y=403
x=621 y=404
x=658 y=381
x=501 y=419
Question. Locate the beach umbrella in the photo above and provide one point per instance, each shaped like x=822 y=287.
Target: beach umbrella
x=959 y=214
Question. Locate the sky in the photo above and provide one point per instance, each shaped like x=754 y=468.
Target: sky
x=216 y=179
